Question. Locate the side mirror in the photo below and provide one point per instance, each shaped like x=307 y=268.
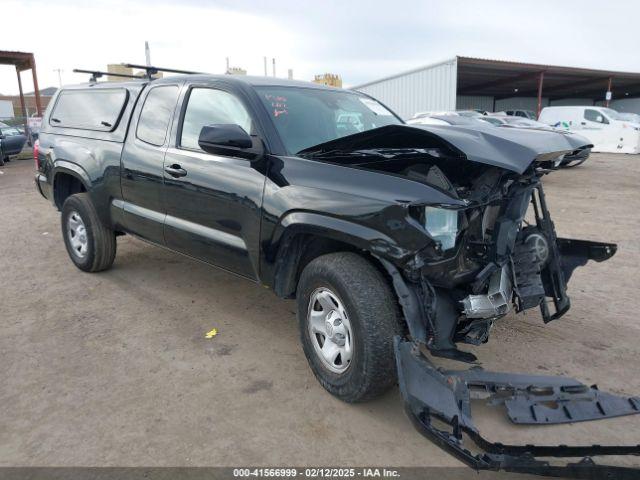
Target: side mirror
x=228 y=139
x=600 y=119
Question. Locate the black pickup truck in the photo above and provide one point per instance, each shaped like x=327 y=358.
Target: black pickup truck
x=397 y=242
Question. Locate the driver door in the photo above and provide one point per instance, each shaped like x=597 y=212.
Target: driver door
x=213 y=202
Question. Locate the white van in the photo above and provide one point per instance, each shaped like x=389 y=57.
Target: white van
x=602 y=126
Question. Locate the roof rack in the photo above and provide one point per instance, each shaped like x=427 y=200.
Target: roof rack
x=96 y=74
x=153 y=70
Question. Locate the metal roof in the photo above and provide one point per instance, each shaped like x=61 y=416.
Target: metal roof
x=22 y=60
x=504 y=79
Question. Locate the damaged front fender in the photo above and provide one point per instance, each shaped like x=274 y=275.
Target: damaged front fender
x=432 y=395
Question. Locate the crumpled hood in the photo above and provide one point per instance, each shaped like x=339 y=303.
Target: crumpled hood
x=511 y=149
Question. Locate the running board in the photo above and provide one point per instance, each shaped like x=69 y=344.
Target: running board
x=434 y=396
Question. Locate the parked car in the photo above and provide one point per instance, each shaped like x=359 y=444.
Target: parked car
x=394 y=241
x=530 y=114
x=494 y=120
x=424 y=117
x=420 y=115
x=573 y=159
x=602 y=126
x=11 y=143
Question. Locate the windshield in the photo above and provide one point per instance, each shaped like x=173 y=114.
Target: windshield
x=10 y=131
x=492 y=120
x=611 y=113
x=629 y=117
x=305 y=117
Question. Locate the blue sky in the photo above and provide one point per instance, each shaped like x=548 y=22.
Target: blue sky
x=360 y=40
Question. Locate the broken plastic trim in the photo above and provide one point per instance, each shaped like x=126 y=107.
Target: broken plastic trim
x=432 y=394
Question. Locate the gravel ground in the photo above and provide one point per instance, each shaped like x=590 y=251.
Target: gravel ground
x=113 y=369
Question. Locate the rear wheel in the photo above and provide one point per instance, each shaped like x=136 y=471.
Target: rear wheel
x=90 y=245
x=348 y=317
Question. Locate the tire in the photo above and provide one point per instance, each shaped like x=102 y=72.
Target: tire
x=359 y=292
x=90 y=245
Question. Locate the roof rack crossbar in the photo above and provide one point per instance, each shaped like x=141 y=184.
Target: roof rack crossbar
x=96 y=74
x=151 y=70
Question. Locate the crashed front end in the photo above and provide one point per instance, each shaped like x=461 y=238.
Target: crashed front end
x=491 y=249
x=496 y=254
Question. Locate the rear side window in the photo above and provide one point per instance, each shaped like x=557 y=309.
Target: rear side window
x=156 y=114
x=97 y=109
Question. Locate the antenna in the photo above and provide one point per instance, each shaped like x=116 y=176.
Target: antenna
x=153 y=70
x=96 y=74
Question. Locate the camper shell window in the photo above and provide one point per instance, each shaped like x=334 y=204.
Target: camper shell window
x=91 y=109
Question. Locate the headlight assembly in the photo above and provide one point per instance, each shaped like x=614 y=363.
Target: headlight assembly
x=442 y=225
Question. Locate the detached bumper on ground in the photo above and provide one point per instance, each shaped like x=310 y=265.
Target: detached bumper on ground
x=439 y=404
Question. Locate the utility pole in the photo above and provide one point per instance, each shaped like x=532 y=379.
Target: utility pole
x=266 y=73
x=147 y=53
x=274 y=67
x=59 y=70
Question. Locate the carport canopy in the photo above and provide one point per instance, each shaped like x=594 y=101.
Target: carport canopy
x=502 y=79
x=23 y=61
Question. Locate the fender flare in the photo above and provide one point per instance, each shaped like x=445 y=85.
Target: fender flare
x=286 y=252
x=64 y=166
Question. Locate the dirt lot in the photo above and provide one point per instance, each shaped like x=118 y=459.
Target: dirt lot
x=113 y=368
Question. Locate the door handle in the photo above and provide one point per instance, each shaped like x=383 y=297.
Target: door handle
x=175 y=170
x=583 y=123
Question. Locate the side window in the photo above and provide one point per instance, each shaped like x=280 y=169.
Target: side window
x=96 y=109
x=595 y=116
x=156 y=114
x=207 y=106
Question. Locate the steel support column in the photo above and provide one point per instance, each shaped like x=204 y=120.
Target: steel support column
x=540 y=81
x=22 y=104
x=36 y=90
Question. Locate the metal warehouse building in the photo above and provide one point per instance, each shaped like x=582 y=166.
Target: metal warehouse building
x=493 y=85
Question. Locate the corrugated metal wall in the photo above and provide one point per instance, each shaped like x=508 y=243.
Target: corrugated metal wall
x=626 y=105
x=426 y=89
x=571 y=102
x=474 y=102
x=520 y=103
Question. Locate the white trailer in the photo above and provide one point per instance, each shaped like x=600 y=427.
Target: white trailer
x=600 y=125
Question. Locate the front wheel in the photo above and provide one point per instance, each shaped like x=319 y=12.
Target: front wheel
x=90 y=245
x=348 y=316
